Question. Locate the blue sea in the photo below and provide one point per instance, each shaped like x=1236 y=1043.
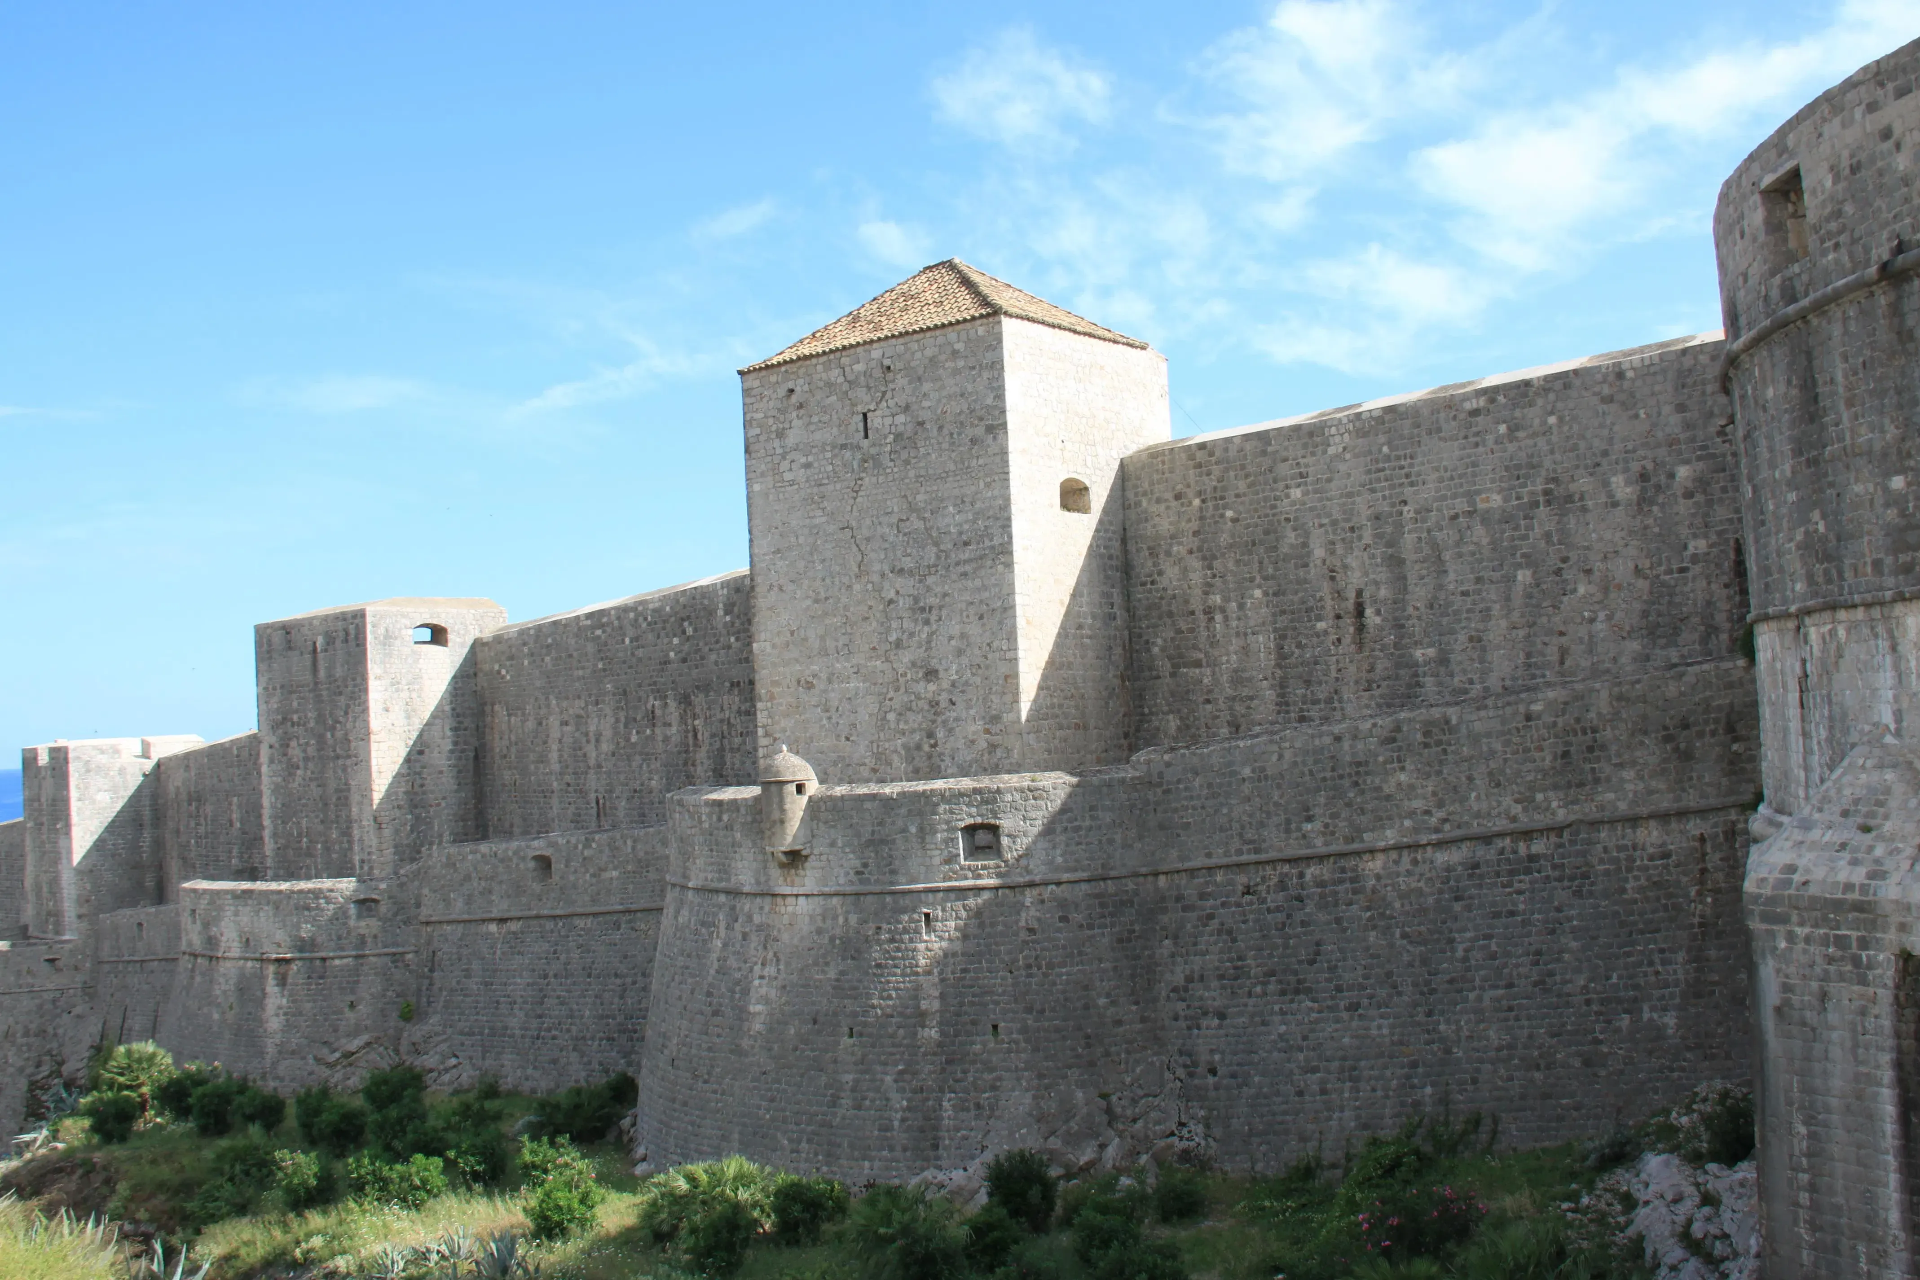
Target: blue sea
x=9 y=794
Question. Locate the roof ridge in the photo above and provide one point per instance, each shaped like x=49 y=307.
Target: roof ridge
x=939 y=295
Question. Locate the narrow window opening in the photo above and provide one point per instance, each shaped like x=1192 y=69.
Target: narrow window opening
x=139 y=929
x=363 y=909
x=799 y=788
x=599 y=811
x=1783 y=218
x=926 y=923
x=996 y=1031
x=542 y=867
x=865 y=431
x=849 y=1033
x=980 y=842
x=430 y=633
x=1076 y=497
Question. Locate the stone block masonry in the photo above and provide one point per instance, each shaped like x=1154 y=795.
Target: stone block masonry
x=537 y=956
x=1230 y=796
x=13 y=880
x=1576 y=522
x=592 y=717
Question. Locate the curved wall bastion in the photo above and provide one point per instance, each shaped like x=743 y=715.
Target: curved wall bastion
x=1539 y=744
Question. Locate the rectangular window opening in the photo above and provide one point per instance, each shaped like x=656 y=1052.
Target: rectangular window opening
x=1783 y=219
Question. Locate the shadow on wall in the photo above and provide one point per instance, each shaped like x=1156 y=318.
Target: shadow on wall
x=431 y=798
x=10 y=806
x=1081 y=715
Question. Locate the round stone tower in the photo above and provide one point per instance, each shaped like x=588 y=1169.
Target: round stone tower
x=1818 y=236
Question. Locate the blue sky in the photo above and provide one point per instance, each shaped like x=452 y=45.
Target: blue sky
x=304 y=308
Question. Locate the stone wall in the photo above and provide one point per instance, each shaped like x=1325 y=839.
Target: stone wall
x=47 y=1026
x=923 y=607
x=13 y=880
x=292 y=982
x=1825 y=380
x=592 y=717
x=538 y=956
x=1256 y=946
x=1576 y=522
x=136 y=955
x=207 y=807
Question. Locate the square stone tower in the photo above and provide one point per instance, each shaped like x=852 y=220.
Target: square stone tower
x=938 y=558
x=89 y=823
x=369 y=725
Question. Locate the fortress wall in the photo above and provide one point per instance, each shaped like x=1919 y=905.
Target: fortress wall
x=208 y=813
x=46 y=1030
x=538 y=973
x=1528 y=906
x=592 y=717
x=135 y=955
x=1255 y=944
x=291 y=982
x=311 y=673
x=1816 y=234
x=885 y=643
x=13 y=879
x=1569 y=523
x=881 y=1007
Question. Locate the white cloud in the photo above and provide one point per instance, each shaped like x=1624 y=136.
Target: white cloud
x=893 y=244
x=737 y=221
x=650 y=366
x=1022 y=94
x=1320 y=78
x=337 y=394
x=1530 y=186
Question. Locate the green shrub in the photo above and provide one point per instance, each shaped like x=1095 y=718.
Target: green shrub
x=542 y=1160
x=585 y=1112
x=483 y=1157
x=140 y=1069
x=1180 y=1195
x=1099 y=1229
x=329 y=1121
x=908 y=1235
x=671 y=1199
x=299 y=1180
x=398 y=1123
x=1149 y=1260
x=258 y=1106
x=1038 y=1259
x=1113 y=1192
x=716 y=1234
x=992 y=1236
x=1713 y=1123
x=803 y=1208
x=112 y=1115
x=212 y=1106
x=409 y=1185
x=175 y=1094
x=1021 y=1183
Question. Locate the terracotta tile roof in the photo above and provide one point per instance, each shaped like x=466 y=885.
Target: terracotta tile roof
x=945 y=293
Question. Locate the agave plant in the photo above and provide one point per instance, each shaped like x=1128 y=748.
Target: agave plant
x=392 y=1262
x=500 y=1258
x=154 y=1267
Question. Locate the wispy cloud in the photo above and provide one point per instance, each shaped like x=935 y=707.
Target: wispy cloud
x=894 y=245
x=647 y=369
x=1022 y=94
x=737 y=221
x=336 y=394
x=1528 y=187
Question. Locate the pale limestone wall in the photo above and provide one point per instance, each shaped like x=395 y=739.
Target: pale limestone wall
x=1075 y=408
x=13 y=880
x=292 y=982
x=1576 y=522
x=136 y=953
x=90 y=845
x=1254 y=946
x=207 y=811
x=1828 y=420
x=922 y=606
x=368 y=740
x=883 y=636
x=538 y=956
x=47 y=1026
x=592 y=717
